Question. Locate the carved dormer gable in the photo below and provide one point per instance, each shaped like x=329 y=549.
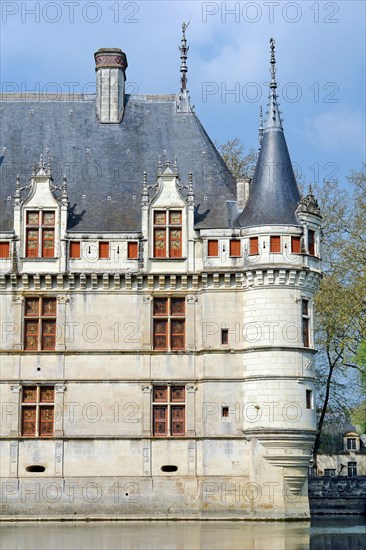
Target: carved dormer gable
x=168 y=216
x=40 y=214
x=309 y=214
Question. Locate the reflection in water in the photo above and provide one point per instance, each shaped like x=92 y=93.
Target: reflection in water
x=335 y=534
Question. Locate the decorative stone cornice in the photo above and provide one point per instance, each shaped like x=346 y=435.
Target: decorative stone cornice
x=305 y=279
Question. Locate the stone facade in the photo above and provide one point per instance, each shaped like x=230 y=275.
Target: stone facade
x=172 y=375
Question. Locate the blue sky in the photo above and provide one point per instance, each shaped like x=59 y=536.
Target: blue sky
x=320 y=50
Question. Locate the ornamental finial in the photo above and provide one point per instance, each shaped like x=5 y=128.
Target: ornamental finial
x=183 y=56
x=273 y=114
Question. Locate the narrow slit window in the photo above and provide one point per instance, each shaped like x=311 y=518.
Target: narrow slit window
x=311 y=242
x=309 y=399
x=224 y=336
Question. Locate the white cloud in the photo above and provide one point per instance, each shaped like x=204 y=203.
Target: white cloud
x=337 y=130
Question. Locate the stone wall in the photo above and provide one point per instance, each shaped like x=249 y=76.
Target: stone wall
x=337 y=495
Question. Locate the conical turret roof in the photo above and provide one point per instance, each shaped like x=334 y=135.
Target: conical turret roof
x=274 y=194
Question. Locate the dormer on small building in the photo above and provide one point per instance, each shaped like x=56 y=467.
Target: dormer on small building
x=110 y=68
x=40 y=219
x=168 y=217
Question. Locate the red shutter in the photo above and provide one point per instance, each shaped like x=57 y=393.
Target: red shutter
x=48 y=335
x=160 y=243
x=311 y=242
x=29 y=421
x=132 y=250
x=161 y=334
x=253 y=245
x=160 y=394
x=175 y=243
x=75 y=250
x=160 y=424
x=295 y=245
x=212 y=248
x=4 y=250
x=275 y=244
x=235 y=247
x=177 y=394
x=177 y=334
x=46 y=421
x=103 y=250
x=32 y=243
x=31 y=335
x=48 y=243
x=177 y=420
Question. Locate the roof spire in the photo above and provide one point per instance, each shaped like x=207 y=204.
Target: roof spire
x=184 y=55
x=273 y=113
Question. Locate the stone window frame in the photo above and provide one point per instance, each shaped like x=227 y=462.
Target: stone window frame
x=41 y=226
x=168 y=404
x=41 y=318
x=38 y=405
x=167 y=227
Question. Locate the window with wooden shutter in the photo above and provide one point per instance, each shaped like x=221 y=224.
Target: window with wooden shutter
x=311 y=242
x=132 y=250
x=103 y=250
x=40 y=324
x=235 y=248
x=168 y=411
x=75 y=250
x=296 y=245
x=169 y=323
x=4 y=249
x=275 y=244
x=37 y=418
x=213 y=247
x=253 y=245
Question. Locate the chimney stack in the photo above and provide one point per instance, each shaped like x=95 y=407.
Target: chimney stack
x=110 y=67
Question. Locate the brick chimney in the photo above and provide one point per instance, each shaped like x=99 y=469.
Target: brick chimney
x=110 y=68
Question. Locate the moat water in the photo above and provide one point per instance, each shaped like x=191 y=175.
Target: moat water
x=336 y=533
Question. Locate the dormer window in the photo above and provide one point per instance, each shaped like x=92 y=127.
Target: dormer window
x=168 y=234
x=40 y=234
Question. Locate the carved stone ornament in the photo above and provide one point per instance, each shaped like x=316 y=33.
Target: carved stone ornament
x=309 y=204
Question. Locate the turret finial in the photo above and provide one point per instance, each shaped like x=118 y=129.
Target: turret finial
x=183 y=56
x=273 y=113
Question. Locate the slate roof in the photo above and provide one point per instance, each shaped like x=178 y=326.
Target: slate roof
x=108 y=160
x=274 y=195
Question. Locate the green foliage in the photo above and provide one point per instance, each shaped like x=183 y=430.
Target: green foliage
x=240 y=163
